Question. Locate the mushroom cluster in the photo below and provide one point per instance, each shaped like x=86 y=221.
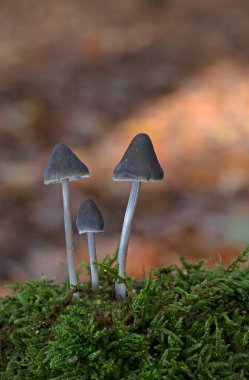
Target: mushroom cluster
x=139 y=164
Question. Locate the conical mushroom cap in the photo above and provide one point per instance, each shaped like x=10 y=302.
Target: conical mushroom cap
x=89 y=218
x=139 y=162
x=64 y=164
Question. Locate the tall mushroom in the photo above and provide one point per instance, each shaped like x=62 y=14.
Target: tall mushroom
x=65 y=166
x=139 y=164
x=90 y=221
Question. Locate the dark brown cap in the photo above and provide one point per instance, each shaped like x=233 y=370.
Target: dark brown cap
x=64 y=164
x=89 y=218
x=139 y=162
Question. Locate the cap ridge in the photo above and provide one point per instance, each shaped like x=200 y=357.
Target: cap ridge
x=89 y=217
x=64 y=164
x=139 y=162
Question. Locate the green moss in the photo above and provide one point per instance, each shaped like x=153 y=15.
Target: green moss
x=182 y=323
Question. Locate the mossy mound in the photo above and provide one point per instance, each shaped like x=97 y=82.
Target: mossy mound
x=182 y=323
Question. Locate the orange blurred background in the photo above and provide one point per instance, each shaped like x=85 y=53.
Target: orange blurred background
x=94 y=74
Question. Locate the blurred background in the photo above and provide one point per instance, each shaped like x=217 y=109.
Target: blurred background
x=92 y=74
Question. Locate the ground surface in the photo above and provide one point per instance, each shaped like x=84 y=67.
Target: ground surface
x=180 y=323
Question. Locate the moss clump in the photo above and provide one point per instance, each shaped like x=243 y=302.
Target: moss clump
x=182 y=323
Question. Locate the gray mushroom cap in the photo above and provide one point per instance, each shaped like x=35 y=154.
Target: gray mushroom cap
x=64 y=164
x=89 y=218
x=139 y=162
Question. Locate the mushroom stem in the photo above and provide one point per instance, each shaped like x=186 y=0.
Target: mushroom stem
x=93 y=257
x=68 y=233
x=120 y=289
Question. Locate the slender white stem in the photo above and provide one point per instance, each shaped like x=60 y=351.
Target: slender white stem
x=68 y=233
x=120 y=289
x=93 y=257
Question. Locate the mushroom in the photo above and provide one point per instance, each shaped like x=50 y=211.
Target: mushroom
x=90 y=221
x=139 y=164
x=65 y=166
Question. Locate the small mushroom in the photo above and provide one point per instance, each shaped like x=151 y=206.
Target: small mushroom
x=90 y=221
x=65 y=166
x=139 y=164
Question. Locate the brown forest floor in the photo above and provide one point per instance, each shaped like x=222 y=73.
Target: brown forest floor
x=92 y=75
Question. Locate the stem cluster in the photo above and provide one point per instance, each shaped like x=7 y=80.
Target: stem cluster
x=139 y=164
